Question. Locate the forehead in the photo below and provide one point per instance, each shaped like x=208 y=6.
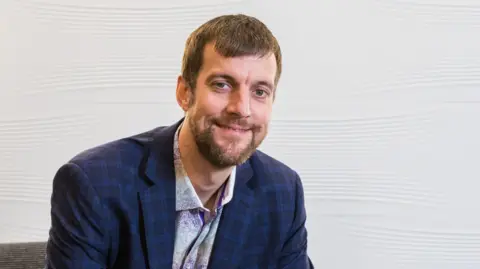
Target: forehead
x=247 y=69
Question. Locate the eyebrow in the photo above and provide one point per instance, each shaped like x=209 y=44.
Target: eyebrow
x=232 y=80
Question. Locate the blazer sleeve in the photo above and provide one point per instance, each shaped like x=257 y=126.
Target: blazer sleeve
x=294 y=252
x=78 y=236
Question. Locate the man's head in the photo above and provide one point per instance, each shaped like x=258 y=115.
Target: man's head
x=230 y=70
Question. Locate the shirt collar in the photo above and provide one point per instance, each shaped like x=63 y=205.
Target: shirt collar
x=186 y=197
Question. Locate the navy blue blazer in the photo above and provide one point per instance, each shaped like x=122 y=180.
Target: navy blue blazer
x=113 y=206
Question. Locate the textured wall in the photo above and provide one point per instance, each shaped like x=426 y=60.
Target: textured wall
x=378 y=110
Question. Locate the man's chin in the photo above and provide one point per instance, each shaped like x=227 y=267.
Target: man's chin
x=231 y=155
x=232 y=148
x=228 y=161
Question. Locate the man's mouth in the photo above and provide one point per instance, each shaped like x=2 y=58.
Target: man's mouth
x=236 y=128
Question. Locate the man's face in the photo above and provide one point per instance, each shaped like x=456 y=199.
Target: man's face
x=231 y=106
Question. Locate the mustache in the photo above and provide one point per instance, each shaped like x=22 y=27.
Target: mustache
x=240 y=122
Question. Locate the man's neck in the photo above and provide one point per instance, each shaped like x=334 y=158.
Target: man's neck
x=206 y=179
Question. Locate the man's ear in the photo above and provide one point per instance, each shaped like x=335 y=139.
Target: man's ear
x=184 y=93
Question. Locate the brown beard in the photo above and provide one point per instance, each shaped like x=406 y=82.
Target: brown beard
x=212 y=152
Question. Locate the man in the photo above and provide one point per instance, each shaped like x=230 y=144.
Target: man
x=196 y=194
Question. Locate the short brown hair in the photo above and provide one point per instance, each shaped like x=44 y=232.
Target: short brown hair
x=233 y=36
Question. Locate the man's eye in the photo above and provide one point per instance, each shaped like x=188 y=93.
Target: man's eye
x=220 y=85
x=261 y=93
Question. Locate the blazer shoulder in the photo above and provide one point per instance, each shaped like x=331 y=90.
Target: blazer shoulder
x=122 y=153
x=274 y=170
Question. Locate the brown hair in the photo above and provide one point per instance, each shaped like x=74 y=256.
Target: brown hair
x=233 y=36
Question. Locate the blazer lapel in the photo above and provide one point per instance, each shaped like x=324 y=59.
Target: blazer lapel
x=157 y=202
x=158 y=216
x=234 y=223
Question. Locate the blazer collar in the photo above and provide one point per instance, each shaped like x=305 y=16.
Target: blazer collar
x=157 y=202
x=235 y=222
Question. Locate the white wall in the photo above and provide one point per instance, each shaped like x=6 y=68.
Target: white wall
x=378 y=109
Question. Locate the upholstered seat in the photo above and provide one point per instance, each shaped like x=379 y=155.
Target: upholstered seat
x=30 y=255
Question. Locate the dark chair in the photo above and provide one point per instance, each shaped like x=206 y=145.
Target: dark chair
x=29 y=255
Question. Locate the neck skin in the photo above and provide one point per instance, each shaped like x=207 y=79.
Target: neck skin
x=206 y=178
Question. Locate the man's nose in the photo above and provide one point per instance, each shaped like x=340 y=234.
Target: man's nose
x=239 y=102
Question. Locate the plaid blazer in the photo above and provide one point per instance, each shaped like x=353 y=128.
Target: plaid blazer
x=113 y=206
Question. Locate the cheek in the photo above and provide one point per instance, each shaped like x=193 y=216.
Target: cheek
x=215 y=104
x=201 y=113
x=261 y=114
x=211 y=104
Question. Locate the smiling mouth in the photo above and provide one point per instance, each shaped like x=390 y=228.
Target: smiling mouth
x=233 y=128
